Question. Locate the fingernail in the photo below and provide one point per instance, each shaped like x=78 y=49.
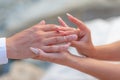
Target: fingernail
x=68 y=14
x=73 y=37
x=34 y=50
x=59 y=18
x=42 y=22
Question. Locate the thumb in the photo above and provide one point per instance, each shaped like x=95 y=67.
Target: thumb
x=74 y=43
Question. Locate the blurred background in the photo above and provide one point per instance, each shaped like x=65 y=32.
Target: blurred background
x=17 y=15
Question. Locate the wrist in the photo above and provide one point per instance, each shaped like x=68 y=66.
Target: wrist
x=92 y=52
x=71 y=60
x=89 y=51
x=10 y=48
x=75 y=62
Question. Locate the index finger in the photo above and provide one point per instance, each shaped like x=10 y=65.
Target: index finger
x=62 y=22
x=76 y=21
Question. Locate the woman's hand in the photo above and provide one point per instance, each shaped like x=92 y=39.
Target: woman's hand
x=84 y=44
x=100 y=69
x=59 y=57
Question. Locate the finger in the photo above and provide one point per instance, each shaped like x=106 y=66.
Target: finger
x=56 y=48
x=44 y=56
x=74 y=44
x=62 y=22
x=50 y=27
x=42 y=22
x=61 y=33
x=52 y=34
x=34 y=50
x=76 y=21
x=74 y=31
x=60 y=39
x=65 y=28
x=47 y=27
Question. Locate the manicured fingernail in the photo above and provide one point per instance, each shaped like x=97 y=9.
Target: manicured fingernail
x=73 y=37
x=68 y=14
x=42 y=22
x=59 y=18
x=34 y=50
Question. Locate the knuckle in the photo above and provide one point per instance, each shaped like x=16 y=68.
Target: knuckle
x=35 y=28
x=65 y=38
x=56 y=40
x=53 y=26
x=50 y=49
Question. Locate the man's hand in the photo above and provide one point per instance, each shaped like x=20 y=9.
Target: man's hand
x=38 y=36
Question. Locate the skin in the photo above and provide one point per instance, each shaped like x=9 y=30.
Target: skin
x=85 y=46
x=38 y=36
x=100 y=69
x=97 y=68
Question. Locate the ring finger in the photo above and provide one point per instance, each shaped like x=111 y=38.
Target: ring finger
x=60 y=39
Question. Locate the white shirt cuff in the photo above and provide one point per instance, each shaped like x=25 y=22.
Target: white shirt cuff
x=3 y=52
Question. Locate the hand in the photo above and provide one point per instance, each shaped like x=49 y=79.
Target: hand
x=60 y=57
x=38 y=36
x=84 y=44
x=100 y=69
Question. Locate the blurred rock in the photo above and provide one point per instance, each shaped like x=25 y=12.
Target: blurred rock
x=23 y=71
